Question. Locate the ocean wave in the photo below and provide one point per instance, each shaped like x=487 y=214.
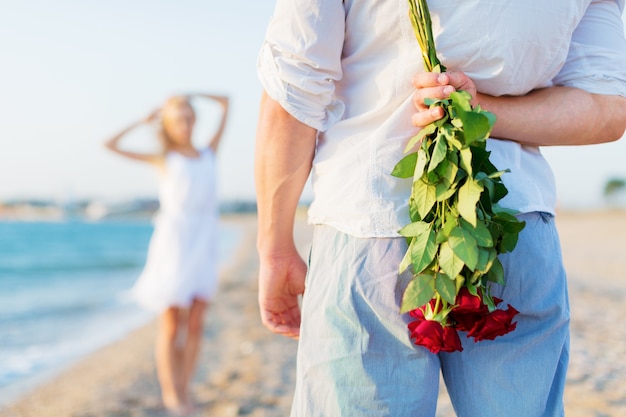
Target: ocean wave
x=60 y=311
x=21 y=361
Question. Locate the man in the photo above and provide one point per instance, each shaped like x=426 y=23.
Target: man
x=344 y=91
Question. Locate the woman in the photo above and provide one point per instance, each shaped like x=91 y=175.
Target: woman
x=180 y=275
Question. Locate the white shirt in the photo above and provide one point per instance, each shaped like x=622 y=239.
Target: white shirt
x=345 y=68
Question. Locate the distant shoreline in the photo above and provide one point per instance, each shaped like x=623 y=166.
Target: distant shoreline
x=145 y=209
x=96 y=210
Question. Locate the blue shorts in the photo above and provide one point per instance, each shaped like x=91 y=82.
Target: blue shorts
x=355 y=358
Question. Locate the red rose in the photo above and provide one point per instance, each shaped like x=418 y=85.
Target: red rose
x=432 y=306
x=417 y=313
x=468 y=311
x=451 y=340
x=433 y=336
x=496 y=323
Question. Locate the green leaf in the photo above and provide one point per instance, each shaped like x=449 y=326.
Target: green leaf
x=489 y=185
x=413 y=213
x=444 y=192
x=420 y=291
x=437 y=69
x=464 y=246
x=480 y=232
x=469 y=194
x=448 y=261
x=486 y=257
x=475 y=126
x=460 y=280
x=446 y=187
x=483 y=236
x=485 y=204
x=415 y=229
x=498 y=174
x=490 y=116
x=430 y=102
x=491 y=305
x=480 y=159
x=425 y=197
x=445 y=228
x=439 y=153
x=420 y=166
x=428 y=130
x=496 y=272
x=504 y=213
x=447 y=170
x=450 y=223
x=455 y=142
x=508 y=243
x=406 y=167
x=406 y=260
x=446 y=287
x=514 y=227
x=499 y=192
x=466 y=160
x=461 y=101
x=441 y=237
x=423 y=251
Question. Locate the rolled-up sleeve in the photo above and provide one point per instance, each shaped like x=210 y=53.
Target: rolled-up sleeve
x=596 y=61
x=300 y=59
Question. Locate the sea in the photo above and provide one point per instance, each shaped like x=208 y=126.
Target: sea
x=64 y=292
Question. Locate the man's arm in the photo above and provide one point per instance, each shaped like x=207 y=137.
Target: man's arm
x=546 y=117
x=558 y=116
x=283 y=158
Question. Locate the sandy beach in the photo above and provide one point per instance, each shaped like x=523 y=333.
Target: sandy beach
x=244 y=370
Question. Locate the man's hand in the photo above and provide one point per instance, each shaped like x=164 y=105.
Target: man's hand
x=552 y=116
x=437 y=86
x=281 y=282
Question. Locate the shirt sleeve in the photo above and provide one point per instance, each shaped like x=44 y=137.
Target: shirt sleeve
x=596 y=61
x=300 y=59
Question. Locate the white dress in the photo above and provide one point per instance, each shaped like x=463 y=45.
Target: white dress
x=182 y=256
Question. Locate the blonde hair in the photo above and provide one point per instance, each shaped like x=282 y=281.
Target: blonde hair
x=175 y=101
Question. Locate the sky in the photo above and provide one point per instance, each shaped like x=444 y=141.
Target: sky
x=73 y=73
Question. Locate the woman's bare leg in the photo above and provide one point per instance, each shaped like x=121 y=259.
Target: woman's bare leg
x=195 y=325
x=170 y=361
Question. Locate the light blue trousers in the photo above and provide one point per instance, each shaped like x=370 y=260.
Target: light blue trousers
x=355 y=358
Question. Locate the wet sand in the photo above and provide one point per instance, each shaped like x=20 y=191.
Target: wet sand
x=244 y=370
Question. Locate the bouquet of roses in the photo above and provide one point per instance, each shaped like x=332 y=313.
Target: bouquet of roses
x=457 y=228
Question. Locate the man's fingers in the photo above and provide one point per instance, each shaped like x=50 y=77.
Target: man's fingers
x=283 y=324
x=457 y=79
x=429 y=79
x=432 y=86
x=462 y=82
x=435 y=93
x=288 y=331
x=424 y=118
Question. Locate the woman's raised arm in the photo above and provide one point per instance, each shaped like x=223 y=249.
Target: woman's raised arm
x=113 y=143
x=214 y=141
